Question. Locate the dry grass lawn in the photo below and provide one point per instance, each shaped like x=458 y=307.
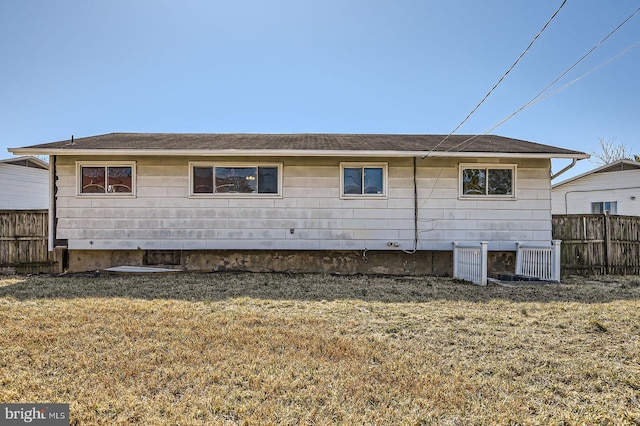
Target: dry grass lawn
x=317 y=349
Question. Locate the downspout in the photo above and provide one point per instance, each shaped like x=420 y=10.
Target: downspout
x=52 y=201
x=415 y=205
x=573 y=163
x=415 y=208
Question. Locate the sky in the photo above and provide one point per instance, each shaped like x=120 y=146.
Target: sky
x=88 y=67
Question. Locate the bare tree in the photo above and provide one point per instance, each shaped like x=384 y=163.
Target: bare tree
x=610 y=152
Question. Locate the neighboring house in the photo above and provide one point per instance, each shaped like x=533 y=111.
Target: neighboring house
x=330 y=202
x=24 y=184
x=613 y=188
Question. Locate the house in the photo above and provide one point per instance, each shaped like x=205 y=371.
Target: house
x=24 y=184
x=613 y=188
x=342 y=203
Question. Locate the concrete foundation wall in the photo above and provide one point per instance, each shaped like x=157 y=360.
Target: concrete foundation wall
x=343 y=262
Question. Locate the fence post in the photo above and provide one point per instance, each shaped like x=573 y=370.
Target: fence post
x=484 y=250
x=518 y=258
x=607 y=243
x=455 y=260
x=555 y=259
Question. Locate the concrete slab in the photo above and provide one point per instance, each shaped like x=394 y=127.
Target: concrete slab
x=139 y=270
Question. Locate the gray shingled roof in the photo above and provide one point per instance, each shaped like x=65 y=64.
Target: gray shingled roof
x=303 y=142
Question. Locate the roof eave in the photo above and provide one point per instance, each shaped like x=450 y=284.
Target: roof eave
x=287 y=153
x=593 y=171
x=38 y=162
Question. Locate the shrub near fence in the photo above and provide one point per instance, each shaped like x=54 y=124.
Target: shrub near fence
x=24 y=241
x=598 y=244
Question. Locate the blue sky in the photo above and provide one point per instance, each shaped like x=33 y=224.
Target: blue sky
x=304 y=66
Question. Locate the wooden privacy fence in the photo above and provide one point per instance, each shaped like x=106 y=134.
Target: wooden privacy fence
x=598 y=244
x=24 y=242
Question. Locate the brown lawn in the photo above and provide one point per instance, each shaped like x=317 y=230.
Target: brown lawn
x=318 y=349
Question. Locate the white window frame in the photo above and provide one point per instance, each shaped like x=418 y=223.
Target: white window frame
x=223 y=164
x=81 y=164
x=603 y=205
x=363 y=165
x=488 y=166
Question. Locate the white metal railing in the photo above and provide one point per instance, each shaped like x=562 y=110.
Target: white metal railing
x=470 y=262
x=542 y=262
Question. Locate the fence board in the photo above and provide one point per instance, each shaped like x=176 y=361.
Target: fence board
x=598 y=244
x=24 y=241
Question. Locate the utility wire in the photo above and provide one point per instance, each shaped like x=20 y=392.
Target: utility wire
x=591 y=71
x=482 y=101
x=501 y=78
x=534 y=100
x=537 y=98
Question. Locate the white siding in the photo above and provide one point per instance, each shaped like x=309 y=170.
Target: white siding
x=310 y=213
x=444 y=217
x=576 y=197
x=23 y=188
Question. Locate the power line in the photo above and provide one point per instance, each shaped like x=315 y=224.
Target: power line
x=501 y=78
x=537 y=98
x=534 y=100
x=591 y=71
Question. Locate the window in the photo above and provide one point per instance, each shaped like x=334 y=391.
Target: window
x=232 y=179
x=363 y=179
x=487 y=181
x=610 y=207
x=106 y=179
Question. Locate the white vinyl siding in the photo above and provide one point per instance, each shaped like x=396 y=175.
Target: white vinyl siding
x=23 y=188
x=445 y=217
x=621 y=187
x=164 y=215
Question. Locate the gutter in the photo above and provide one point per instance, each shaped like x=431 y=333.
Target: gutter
x=287 y=152
x=573 y=163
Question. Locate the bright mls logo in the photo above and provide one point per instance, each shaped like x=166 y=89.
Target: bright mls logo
x=34 y=414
